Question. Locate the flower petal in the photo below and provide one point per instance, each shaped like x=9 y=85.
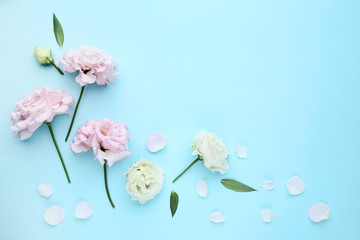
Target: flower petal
x=217 y=217
x=44 y=190
x=319 y=212
x=295 y=185
x=83 y=210
x=268 y=185
x=54 y=215
x=155 y=141
x=241 y=151
x=202 y=188
x=267 y=215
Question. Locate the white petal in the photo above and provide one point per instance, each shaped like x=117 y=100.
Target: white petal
x=202 y=188
x=217 y=217
x=195 y=152
x=44 y=190
x=83 y=210
x=319 y=212
x=267 y=215
x=155 y=141
x=268 y=185
x=241 y=151
x=295 y=185
x=54 y=215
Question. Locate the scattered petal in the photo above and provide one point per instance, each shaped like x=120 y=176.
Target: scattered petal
x=295 y=185
x=217 y=217
x=268 y=185
x=241 y=151
x=267 y=215
x=54 y=215
x=202 y=188
x=44 y=190
x=83 y=210
x=155 y=141
x=319 y=212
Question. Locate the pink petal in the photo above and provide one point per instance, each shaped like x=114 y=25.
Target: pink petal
x=268 y=185
x=54 y=215
x=241 y=151
x=295 y=185
x=319 y=212
x=267 y=215
x=202 y=188
x=156 y=141
x=217 y=217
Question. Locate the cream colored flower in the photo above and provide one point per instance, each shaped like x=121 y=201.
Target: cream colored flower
x=144 y=180
x=43 y=55
x=211 y=150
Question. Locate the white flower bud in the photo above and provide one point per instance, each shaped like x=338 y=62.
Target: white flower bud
x=43 y=55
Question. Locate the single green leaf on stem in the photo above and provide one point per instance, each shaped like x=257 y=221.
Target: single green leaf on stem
x=58 y=31
x=236 y=186
x=174 y=201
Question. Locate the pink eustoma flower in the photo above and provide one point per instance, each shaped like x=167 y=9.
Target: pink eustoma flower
x=37 y=108
x=93 y=65
x=107 y=139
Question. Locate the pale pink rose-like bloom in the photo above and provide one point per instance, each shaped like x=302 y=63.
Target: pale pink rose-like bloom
x=38 y=107
x=107 y=139
x=93 y=65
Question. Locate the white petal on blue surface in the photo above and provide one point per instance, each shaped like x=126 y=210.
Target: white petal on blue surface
x=295 y=185
x=217 y=217
x=83 y=210
x=202 y=188
x=267 y=215
x=54 y=215
x=241 y=151
x=44 y=190
x=268 y=185
x=319 y=212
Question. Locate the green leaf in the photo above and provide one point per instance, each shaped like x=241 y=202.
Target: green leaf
x=236 y=186
x=58 y=31
x=174 y=200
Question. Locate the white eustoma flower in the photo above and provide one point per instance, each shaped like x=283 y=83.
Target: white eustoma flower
x=43 y=55
x=211 y=150
x=144 y=180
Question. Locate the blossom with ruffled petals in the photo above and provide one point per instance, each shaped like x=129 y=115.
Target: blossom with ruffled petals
x=94 y=65
x=211 y=150
x=107 y=139
x=38 y=107
x=144 y=180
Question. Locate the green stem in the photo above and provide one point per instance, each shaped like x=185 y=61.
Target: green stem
x=54 y=65
x=76 y=108
x=195 y=161
x=106 y=186
x=57 y=149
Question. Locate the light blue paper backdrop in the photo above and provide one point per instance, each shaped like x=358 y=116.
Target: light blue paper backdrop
x=279 y=77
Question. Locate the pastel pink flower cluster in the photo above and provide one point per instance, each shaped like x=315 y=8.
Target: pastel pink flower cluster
x=107 y=139
x=38 y=107
x=93 y=65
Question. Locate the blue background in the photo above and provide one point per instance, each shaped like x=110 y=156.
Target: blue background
x=279 y=77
